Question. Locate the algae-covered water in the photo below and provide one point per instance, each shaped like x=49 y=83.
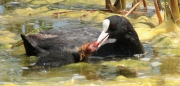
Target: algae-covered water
x=159 y=67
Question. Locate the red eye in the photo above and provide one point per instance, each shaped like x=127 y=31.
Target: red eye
x=112 y=26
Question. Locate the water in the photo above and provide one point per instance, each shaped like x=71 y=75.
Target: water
x=155 y=68
x=1 y=9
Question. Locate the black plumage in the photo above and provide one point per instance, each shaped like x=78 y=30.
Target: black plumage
x=127 y=41
x=57 y=47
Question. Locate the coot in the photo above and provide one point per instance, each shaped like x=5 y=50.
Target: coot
x=60 y=46
x=57 y=47
x=127 y=41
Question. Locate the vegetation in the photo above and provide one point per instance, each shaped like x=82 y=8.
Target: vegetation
x=172 y=10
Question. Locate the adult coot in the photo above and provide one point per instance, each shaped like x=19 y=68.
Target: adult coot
x=127 y=41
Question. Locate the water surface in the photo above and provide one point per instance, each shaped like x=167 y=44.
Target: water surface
x=153 y=69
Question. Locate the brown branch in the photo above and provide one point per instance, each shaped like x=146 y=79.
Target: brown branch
x=56 y=14
x=107 y=2
x=86 y=14
x=175 y=11
x=145 y=5
x=168 y=8
x=118 y=4
x=134 y=12
x=158 y=12
x=114 y=9
x=63 y=12
x=159 y=5
x=132 y=9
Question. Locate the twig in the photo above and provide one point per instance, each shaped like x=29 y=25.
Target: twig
x=63 y=12
x=159 y=5
x=132 y=9
x=86 y=14
x=145 y=5
x=170 y=11
x=158 y=12
x=107 y=2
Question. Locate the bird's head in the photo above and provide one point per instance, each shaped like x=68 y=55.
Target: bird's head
x=116 y=27
x=86 y=50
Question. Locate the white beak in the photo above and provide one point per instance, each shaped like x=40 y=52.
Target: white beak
x=104 y=35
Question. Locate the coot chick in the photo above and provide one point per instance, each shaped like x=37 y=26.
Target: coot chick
x=60 y=46
x=127 y=41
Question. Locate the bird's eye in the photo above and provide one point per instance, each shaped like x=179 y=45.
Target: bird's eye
x=112 y=26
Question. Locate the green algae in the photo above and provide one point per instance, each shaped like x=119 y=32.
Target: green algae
x=172 y=65
x=7 y=39
x=135 y=64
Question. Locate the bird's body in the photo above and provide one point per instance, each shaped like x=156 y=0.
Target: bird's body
x=57 y=47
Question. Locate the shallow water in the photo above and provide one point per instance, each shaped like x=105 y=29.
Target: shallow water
x=153 y=69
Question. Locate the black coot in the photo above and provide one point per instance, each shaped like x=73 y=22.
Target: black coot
x=127 y=41
x=57 y=47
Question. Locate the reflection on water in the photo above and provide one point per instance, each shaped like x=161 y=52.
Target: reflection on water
x=9 y=72
x=1 y=9
x=36 y=24
x=29 y=26
x=23 y=28
x=59 y=23
x=76 y=71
